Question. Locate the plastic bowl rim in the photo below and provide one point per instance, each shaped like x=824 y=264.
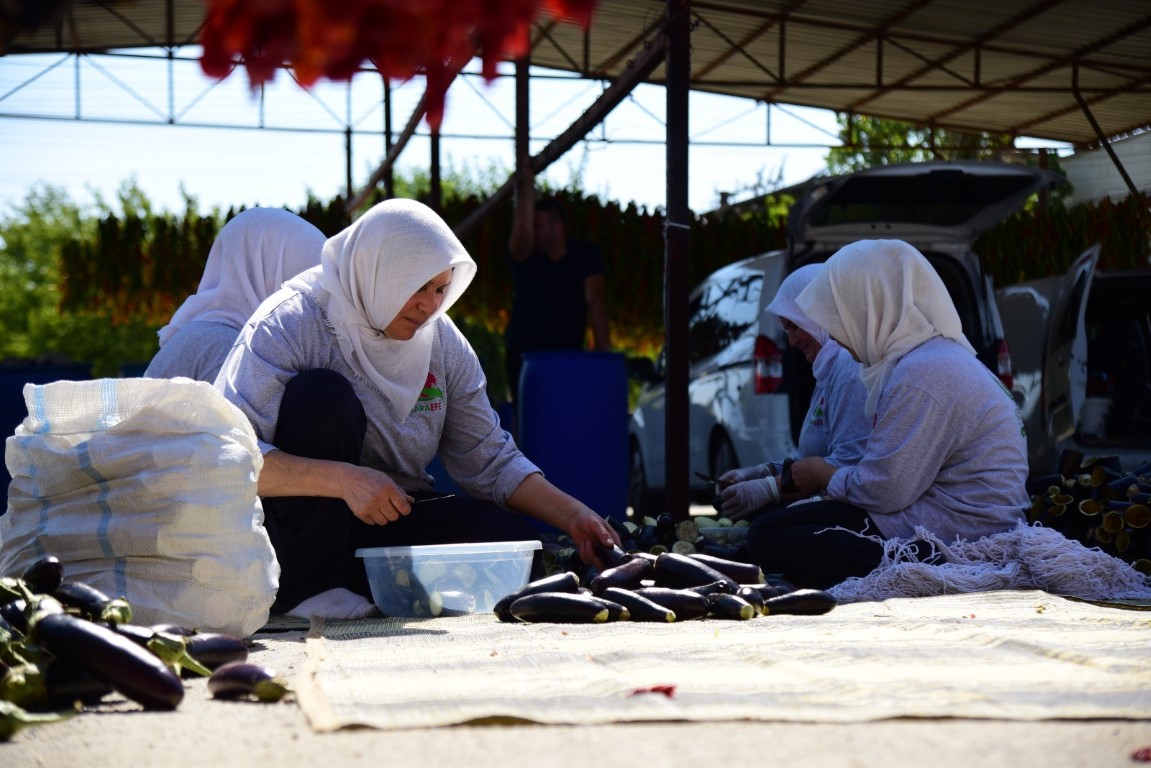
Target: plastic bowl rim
x=476 y=548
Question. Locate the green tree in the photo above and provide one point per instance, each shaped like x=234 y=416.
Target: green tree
x=871 y=141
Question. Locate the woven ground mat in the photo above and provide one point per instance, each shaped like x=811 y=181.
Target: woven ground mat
x=1024 y=655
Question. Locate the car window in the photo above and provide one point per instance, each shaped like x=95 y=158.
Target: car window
x=721 y=312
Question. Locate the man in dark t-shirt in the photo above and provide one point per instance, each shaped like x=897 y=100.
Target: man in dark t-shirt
x=558 y=285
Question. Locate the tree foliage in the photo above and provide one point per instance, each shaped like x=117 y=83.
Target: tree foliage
x=872 y=141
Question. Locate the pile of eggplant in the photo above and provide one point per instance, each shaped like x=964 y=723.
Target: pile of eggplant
x=65 y=645
x=1097 y=504
x=663 y=534
x=668 y=587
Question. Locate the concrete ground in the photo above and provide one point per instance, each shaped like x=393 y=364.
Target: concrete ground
x=208 y=733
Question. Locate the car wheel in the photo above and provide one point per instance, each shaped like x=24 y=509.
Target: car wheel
x=722 y=458
x=640 y=497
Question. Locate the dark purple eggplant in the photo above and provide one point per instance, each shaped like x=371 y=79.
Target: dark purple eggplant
x=743 y=573
x=684 y=603
x=215 y=649
x=132 y=671
x=766 y=591
x=752 y=595
x=679 y=571
x=626 y=575
x=615 y=611
x=244 y=680
x=639 y=607
x=558 y=582
x=170 y=649
x=560 y=608
x=13 y=613
x=174 y=629
x=93 y=604
x=44 y=575
x=714 y=588
x=611 y=556
x=723 y=605
x=802 y=602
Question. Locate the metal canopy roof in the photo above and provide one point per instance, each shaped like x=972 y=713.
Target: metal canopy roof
x=1061 y=70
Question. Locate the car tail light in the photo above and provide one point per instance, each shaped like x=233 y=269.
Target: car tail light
x=768 y=366
x=1003 y=367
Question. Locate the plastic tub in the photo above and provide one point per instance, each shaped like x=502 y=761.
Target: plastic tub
x=446 y=579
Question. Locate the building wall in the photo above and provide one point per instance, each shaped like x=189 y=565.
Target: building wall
x=1094 y=176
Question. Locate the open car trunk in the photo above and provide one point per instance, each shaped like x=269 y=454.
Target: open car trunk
x=1081 y=346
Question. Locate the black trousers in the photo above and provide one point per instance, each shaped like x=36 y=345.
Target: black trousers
x=795 y=542
x=315 y=538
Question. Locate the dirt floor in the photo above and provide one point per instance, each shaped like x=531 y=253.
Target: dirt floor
x=215 y=734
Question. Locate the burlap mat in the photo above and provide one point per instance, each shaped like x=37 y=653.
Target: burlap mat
x=1002 y=655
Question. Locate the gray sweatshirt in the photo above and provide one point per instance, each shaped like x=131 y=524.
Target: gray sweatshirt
x=836 y=428
x=197 y=351
x=947 y=452
x=453 y=416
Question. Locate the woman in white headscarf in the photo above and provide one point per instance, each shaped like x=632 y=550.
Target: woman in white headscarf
x=355 y=379
x=255 y=252
x=947 y=453
x=835 y=427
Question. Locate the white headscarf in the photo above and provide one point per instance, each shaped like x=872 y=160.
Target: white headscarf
x=366 y=275
x=783 y=305
x=882 y=298
x=250 y=259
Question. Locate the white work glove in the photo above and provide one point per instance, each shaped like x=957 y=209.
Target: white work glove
x=732 y=476
x=749 y=496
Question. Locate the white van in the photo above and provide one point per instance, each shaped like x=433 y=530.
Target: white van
x=1082 y=355
x=748 y=391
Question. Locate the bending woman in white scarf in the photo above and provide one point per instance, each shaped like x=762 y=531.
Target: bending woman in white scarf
x=835 y=426
x=355 y=379
x=947 y=452
x=254 y=253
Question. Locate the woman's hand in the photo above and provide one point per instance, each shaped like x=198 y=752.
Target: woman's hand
x=591 y=533
x=373 y=496
x=811 y=475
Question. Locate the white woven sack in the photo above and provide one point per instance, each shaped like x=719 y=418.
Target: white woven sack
x=146 y=490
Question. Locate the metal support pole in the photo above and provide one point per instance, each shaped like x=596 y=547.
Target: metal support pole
x=677 y=237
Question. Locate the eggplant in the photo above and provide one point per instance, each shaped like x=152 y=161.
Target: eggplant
x=744 y=573
x=678 y=571
x=615 y=611
x=132 y=671
x=626 y=575
x=801 y=602
x=640 y=608
x=242 y=679
x=44 y=575
x=12 y=612
x=561 y=608
x=753 y=596
x=714 y=588
x=559 y=582
x=724 y=605
x=93 y=604
x=766 y=591
x=612 y=556
x=684 y=603
x=170 y=649
x=66 y=682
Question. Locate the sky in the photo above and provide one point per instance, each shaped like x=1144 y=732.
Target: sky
x=736 y=143
x=291 y=143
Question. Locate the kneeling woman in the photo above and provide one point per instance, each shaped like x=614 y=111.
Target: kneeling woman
x=354 y=379
x=947 y=452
